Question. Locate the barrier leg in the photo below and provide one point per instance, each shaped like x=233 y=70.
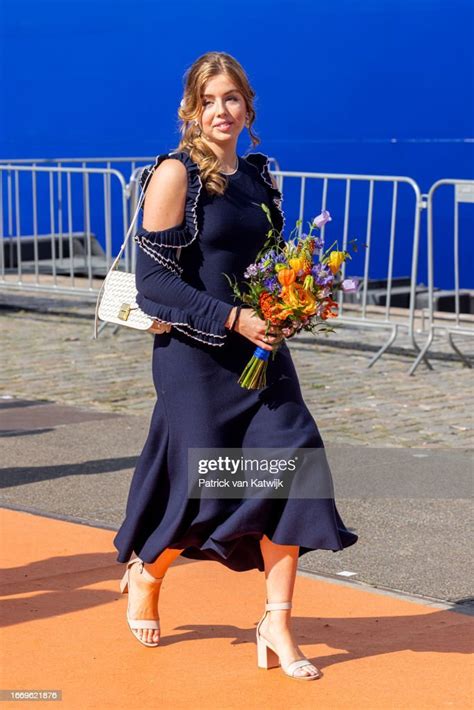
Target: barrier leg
x=384 y=347
x=463 y=357
x=421 y=354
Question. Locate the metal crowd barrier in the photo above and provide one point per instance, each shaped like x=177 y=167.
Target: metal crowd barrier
x=73 y=211
x=463 y=194
x=51 y=210
x=125 y=162
x=389 y=236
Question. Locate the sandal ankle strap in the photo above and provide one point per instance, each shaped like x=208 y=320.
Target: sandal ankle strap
x=146 y=575
x=273 y=606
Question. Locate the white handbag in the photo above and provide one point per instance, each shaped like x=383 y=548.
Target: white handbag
x=116 y=301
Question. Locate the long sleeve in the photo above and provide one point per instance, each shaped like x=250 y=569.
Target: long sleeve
x=162 y=292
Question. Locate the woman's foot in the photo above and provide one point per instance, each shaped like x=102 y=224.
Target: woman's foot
x=275 y=628
x=143 y=603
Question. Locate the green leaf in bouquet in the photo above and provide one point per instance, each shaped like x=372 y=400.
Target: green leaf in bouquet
x=234 y=286
x=266 y=209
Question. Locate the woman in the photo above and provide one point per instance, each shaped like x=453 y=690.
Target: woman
x=205 y=201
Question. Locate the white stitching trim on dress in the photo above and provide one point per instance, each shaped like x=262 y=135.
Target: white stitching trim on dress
x=194 y=208
x=277 y=201
x=190 y=335
x=202 y=332
x=154 y=244
x=196 y=330
x=171 y=265
x=168 y=263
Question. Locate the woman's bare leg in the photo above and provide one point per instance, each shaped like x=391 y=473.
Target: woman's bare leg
x=159 y=567
x=280 y=574
x=144 y=596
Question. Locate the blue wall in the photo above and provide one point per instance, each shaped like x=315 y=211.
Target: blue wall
x=379 y=86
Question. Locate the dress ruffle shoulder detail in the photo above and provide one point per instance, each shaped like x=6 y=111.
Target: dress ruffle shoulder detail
x=260 y=161
x=184 y=234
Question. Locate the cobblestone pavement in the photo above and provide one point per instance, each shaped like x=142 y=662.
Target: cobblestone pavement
x=53 y=356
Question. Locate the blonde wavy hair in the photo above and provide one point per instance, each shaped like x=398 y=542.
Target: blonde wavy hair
x=204 y=68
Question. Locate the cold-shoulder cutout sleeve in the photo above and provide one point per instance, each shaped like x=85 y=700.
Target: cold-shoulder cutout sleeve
x=162 y=292
x=182 y=235
x=260 y=162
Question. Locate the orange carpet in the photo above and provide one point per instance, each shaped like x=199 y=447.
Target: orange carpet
x=64 y=629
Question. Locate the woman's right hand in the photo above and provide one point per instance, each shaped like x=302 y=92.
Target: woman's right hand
x=252 y=327
x=159 y=328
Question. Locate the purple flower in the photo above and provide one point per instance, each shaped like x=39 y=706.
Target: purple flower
x=350 y=284
x=264 y=265
x=271 y=283
x=321 y=219
x=250 y=271
x=321 y=275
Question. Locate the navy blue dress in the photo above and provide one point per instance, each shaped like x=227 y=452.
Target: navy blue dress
x=199 y=403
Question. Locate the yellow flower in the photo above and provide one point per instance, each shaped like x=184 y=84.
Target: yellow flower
x=307 y=302
x=289 y=295
x=298 y=297
x=300 y=263
x=335 y=259
x=297 y=263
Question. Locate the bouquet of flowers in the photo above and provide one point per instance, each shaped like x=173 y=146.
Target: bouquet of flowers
x=292 y=285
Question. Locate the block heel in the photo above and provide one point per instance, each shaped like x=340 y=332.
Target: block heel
x=267 y=656
x=135 y=624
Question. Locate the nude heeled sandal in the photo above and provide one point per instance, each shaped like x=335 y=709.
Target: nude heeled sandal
x=267 y=656
x=140 y=623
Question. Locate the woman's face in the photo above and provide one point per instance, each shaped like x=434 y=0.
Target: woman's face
x=222 y=104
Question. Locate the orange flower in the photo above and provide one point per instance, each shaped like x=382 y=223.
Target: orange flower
x=327 y=312
x=286 y=276
x=271 y=310
x=266 y=302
